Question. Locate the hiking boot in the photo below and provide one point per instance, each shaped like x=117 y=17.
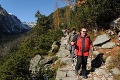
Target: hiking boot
x=80 y=73
x=92 y=69
x=76 y=72
x=85 y=76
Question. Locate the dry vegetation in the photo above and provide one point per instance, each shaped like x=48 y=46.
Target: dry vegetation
x=115 y=52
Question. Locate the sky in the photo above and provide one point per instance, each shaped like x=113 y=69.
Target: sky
x=25 y=9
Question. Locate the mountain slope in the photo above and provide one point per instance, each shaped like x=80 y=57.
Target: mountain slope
x=9 y=23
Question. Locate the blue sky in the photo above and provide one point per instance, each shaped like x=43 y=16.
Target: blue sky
x=25 y=9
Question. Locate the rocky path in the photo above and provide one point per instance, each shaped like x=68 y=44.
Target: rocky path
x=67 y=72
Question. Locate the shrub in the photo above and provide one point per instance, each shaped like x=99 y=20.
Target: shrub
x=51 y=54
x=15 y=66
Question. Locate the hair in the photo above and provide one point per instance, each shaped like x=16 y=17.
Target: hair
x=74 y=29
x=81 y=29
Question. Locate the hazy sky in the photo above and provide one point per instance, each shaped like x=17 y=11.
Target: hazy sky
x=25 y=9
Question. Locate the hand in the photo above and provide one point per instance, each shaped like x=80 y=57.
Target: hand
x=103 y=63
x=92 y=49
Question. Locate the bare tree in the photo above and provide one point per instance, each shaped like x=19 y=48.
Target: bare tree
x=70 y=4
x=56 y=16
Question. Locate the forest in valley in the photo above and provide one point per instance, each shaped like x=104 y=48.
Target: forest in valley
x=14 y=65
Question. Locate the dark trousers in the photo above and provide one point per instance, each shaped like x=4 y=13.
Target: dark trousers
x=81 y=60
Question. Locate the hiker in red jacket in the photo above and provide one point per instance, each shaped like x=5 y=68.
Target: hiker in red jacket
x=83 y=45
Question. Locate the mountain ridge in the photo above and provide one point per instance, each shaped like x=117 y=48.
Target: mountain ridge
x=10 y=24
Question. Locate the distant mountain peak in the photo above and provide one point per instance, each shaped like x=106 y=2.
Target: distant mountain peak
x=9 y=23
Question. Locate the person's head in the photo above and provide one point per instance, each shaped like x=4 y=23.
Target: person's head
x=74 y=30
x=83 y=32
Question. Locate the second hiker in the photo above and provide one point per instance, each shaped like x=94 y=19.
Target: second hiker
x=71 y=47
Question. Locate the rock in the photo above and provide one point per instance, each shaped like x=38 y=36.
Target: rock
x=110 y=78
x=48 y=60
x=95 y=53
x=108 y=45
x=101 y=39
x=109 y=61
x=60 y=73
x=34 y=64
x=103 y=78
x=54 y=45
x=100 y=72
x=63 y=53
x=118 y=44
x=66 y=61
x=96 y=78
x=115 y=71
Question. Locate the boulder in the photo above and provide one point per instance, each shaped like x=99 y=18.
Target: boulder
x=115 y=71
x=108 y=45
x=101 y=39
x=34 y=64
x=109 y=61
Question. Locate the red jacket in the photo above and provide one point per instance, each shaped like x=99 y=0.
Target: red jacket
x=87 y=46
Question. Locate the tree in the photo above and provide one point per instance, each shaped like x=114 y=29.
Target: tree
x=110 y=10
x=38 y=15
x=56 y=16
